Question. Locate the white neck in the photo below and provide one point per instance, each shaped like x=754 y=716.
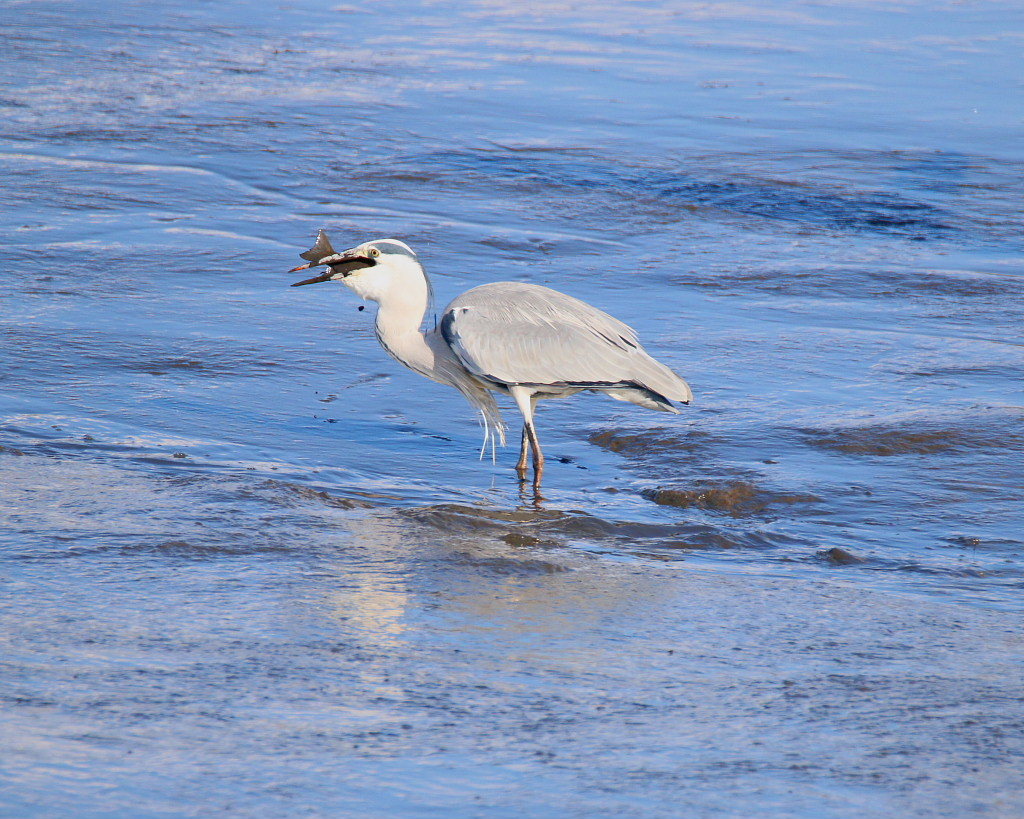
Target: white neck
x=400 y=288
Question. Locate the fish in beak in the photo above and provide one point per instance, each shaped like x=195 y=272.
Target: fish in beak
x=339 y=265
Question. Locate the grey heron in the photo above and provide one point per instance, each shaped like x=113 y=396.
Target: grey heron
x=524 y=340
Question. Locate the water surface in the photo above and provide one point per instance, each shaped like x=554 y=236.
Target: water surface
x=249 y=565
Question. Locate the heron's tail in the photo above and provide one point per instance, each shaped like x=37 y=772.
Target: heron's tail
x=659 y=379
x=643 y=397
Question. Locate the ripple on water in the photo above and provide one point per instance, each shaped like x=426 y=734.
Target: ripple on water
x=79 y=348
x=729 y=186
x=303 y=493
x=927 y=437
x=855 y=282
x=544 y=528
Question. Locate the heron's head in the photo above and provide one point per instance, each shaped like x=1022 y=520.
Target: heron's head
x=373 y=269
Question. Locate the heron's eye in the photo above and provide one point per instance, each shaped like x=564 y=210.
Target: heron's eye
x=374 y=253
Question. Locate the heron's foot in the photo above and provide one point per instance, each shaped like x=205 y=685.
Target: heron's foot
x=521 y=466
x=523 y=471
x=538 y=471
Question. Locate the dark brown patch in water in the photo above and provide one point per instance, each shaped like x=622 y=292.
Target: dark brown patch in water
x=839 y=557
x=737 y=498
x=521 y=540
x=887 y=441
x=653 y=442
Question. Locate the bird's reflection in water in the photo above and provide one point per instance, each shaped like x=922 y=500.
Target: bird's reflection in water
x=418 y=582
x=373 y=598
x=530 y=495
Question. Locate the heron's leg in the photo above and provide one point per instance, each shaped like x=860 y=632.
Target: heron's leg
x=521 y=463
x=538 y=456
x=526 y=402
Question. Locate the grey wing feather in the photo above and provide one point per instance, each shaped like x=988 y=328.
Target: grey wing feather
x=516 y=333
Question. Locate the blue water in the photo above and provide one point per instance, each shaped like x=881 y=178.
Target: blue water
x=251 y=566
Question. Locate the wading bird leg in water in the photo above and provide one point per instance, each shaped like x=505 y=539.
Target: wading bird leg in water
x=530 y=435
x=538 y=456
x=521 y=463
x=526 y=400
x=523 y=442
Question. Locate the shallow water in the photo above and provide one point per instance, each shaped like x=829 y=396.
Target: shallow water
x=250 y=565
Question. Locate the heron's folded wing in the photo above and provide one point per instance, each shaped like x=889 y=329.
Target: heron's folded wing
x=525 y=334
